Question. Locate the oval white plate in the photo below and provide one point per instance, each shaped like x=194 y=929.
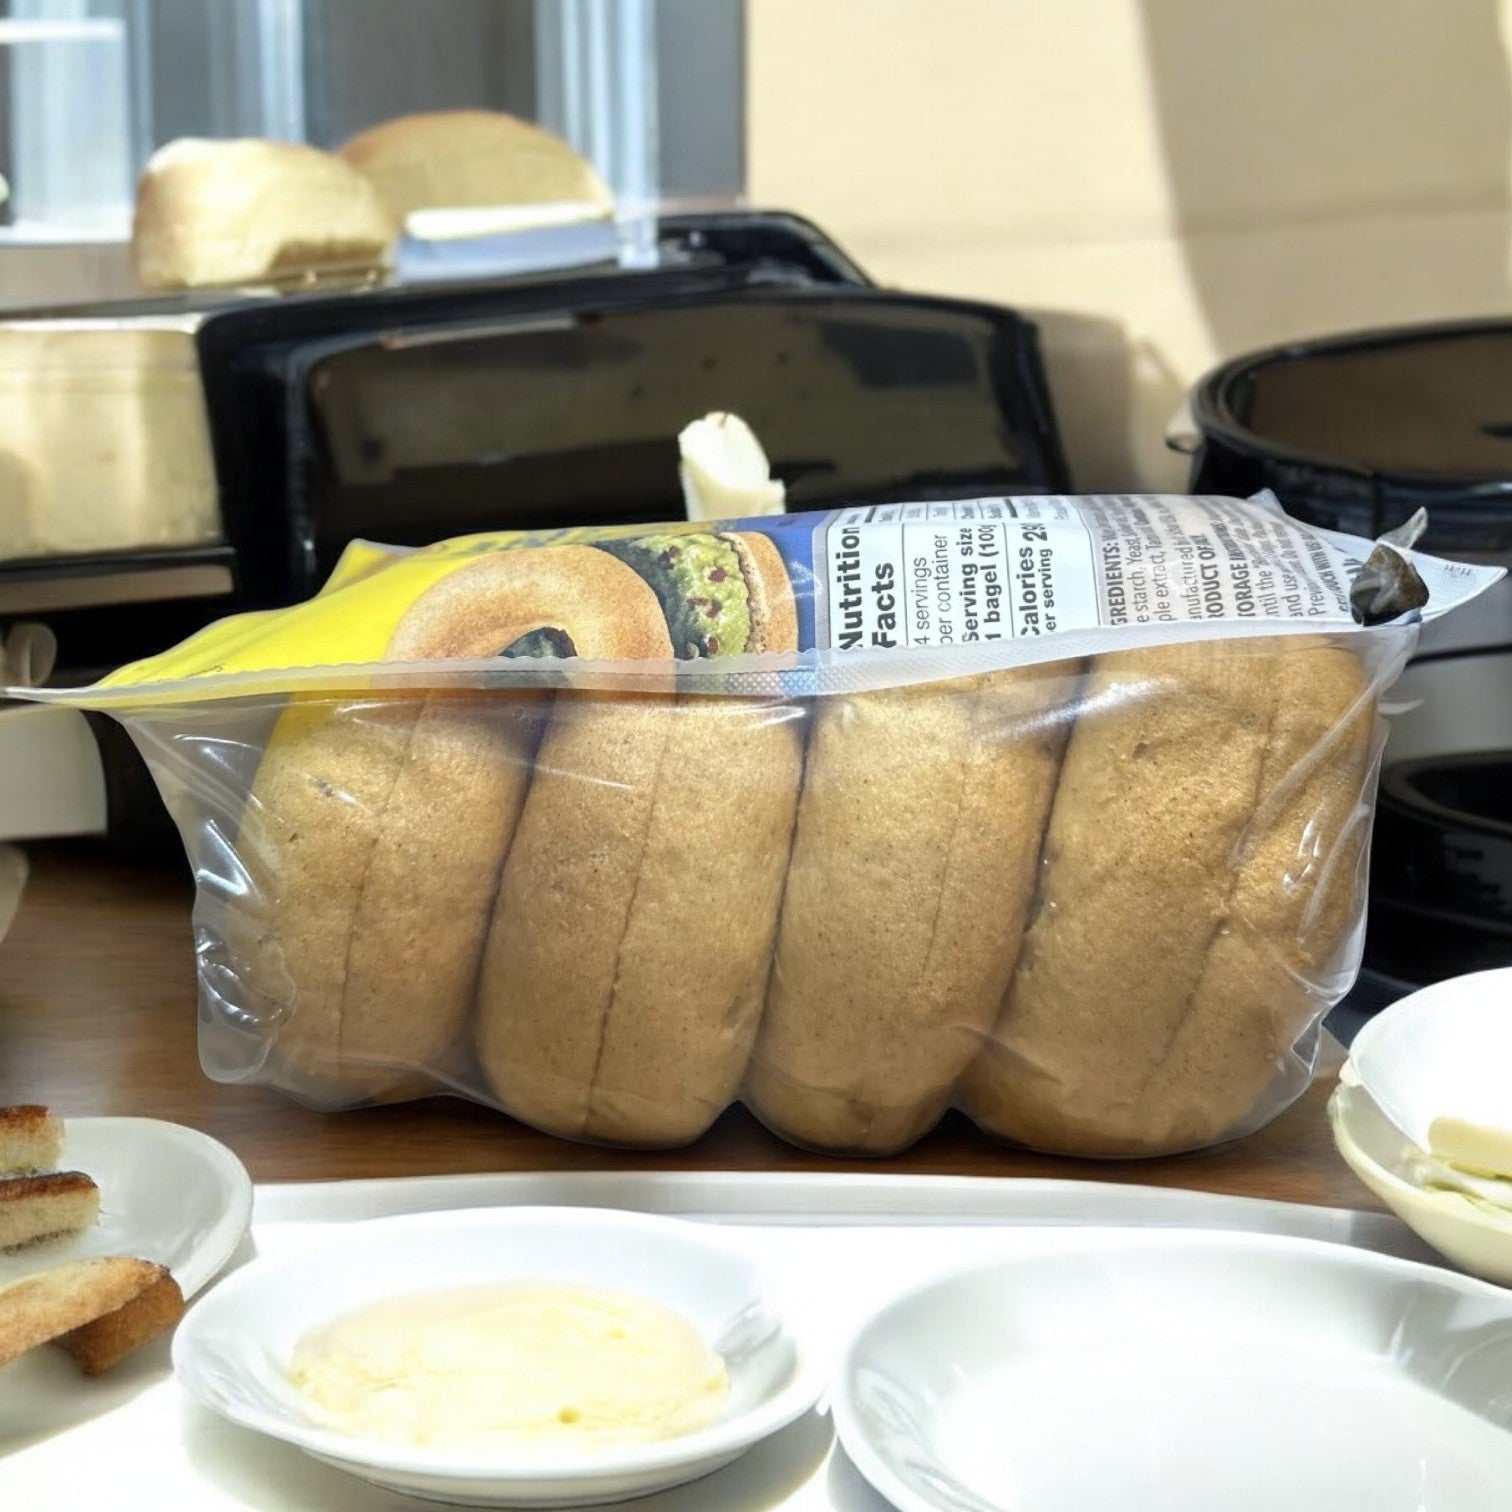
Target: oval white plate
x=1186 y=1371
x=1442 y=1051
x=1458 y=1227
x=232 y=1351
x=167 y=1193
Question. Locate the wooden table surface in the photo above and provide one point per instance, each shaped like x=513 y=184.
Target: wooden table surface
x=97 y=1016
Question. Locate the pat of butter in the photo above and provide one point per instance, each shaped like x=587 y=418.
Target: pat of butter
x=725 y=474
x=1471 y=1146
x=545 y=1367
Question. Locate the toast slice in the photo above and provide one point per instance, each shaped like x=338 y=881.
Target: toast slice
x=100 y=1345
x=31 y=1140
x=34 y=1208
x=39 y=1308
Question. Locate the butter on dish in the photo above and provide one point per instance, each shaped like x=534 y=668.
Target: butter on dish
x=552 y=1369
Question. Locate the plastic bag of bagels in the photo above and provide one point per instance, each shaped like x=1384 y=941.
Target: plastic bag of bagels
x=1052 y=810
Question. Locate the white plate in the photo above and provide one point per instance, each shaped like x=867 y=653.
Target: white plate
x=1442 y=1051
x=167 y=1193
x=232 y=1352
x=1186 y=1372
x=1459 y=1227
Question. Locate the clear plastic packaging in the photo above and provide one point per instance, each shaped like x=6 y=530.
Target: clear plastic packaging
x=1096 y=887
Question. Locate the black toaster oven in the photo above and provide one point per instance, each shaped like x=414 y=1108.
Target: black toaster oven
x=405 y=412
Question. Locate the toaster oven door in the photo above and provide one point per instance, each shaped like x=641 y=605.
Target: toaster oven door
x=857 y=395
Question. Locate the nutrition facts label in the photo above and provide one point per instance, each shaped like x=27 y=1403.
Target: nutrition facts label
x=990 y=569
x=947 y=574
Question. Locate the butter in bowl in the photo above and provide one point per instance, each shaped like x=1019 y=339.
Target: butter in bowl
x=534 y=1357
x=1423 y=1116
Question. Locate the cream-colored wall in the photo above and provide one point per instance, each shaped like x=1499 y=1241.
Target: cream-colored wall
x=1160 y=182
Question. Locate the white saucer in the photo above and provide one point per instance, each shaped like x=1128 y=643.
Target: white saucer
x=1186 y=1371
x=1471 y=1233
x=167 y=1193
x=1442 y=1051
x=232 y=1351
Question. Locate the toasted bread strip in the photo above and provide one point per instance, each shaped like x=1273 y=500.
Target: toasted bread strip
x=33 y=1208
x=100 y=1345
x=31 y=1139
x=54 y=1302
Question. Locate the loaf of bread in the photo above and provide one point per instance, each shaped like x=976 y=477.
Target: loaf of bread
x=252 y=211
x=914 y=860
x=373 y=839
x=623 y=977
x=1197 y=902
x=459 y=159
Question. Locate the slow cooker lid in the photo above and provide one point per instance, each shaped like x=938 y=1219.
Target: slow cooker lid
x=1433 y=403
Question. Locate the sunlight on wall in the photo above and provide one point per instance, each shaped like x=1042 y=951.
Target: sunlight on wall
x=1160 y=182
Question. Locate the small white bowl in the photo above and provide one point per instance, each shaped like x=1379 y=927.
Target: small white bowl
x=1445 y=1051
x=1467 y=1232
x=232 y=1351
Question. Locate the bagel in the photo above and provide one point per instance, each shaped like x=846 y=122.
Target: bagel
x=373 y=838
x=913 y=863
x=1198 y=894
x=381 y=827
x=722 y=592
x=623 y=976
x=579 y=600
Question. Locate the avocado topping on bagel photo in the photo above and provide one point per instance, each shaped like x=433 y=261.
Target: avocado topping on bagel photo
x=723 y=593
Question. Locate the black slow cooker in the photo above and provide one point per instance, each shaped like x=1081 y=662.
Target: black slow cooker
x=1355 y=433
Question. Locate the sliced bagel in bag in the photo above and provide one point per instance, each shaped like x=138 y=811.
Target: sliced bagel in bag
x=1199 y=875
x=914 y=860
x=1289 y=944
x=622 y=980
x=372 y=839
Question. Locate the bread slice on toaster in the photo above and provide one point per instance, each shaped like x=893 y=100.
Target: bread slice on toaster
x=51 y=1303
x=31 y=1139
x=456 y=159
x=51 y=1206
x=251 y=211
